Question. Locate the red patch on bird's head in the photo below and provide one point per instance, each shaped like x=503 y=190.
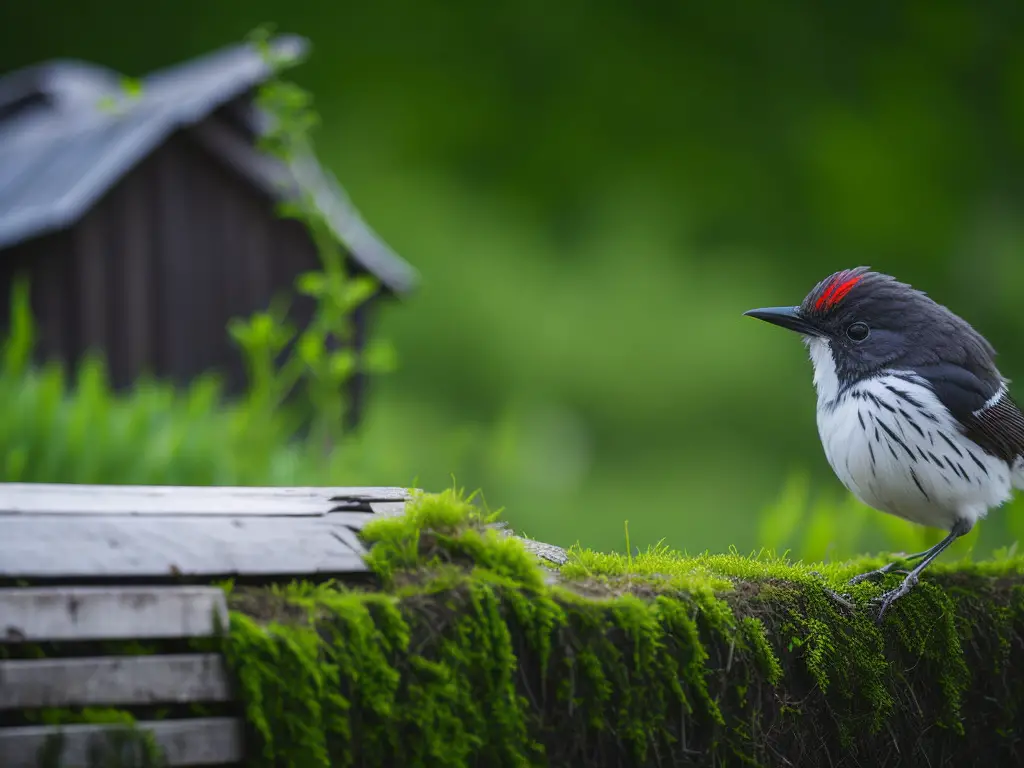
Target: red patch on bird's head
x=836 y=289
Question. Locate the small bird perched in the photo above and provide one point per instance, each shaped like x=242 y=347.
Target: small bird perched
x=913 y=414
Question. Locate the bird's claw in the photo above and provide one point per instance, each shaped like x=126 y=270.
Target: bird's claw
x=885 y=600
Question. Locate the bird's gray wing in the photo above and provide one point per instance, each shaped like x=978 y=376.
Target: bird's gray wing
x=990 y=419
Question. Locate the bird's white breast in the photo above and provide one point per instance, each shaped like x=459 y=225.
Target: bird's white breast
x=897 y=449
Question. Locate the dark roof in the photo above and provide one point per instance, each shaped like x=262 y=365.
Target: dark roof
x=67 y=134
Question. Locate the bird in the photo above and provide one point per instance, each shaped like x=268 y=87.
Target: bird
x=914 y=417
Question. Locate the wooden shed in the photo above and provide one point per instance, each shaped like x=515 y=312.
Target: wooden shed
x=145 y=228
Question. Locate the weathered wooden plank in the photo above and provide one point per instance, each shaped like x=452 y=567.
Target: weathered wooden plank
x=204 y=741
x=113 y=680
x=61 y=499
x=39 y=614
x=352 y=520
x=344 y=532
x=389 y=508
x=161 y=547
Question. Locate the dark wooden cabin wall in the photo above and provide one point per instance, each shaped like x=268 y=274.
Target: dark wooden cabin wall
x=154 y=272
x=45 y=262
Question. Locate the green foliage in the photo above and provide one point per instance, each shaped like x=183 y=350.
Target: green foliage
x=81 y=431
x=54 y=430
x=317 y=361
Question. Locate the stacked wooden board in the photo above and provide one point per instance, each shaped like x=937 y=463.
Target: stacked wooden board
x=125 y=563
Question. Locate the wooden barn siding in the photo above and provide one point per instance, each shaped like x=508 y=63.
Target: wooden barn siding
x=154 y=272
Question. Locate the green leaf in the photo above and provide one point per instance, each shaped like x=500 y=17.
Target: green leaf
x=311 y=348
x=311 y=283
x=341 y=365
x=356 y=291
x=17 y=349
x=290 y=209
x=379 y=357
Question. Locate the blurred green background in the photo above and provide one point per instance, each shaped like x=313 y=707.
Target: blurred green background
x=593 y=193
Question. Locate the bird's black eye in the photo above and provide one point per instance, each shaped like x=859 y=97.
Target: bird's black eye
x=857 y=331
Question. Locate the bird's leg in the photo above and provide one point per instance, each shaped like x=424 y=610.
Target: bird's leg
x=878 y=573
x=886 y=600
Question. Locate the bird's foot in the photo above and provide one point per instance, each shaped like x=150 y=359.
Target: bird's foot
x=886 y=600
x=843 y=600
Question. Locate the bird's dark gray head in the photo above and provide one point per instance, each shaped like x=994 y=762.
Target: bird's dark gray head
x=873 y=322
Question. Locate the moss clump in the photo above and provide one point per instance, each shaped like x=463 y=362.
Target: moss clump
x=126 y=746
x=467 y=655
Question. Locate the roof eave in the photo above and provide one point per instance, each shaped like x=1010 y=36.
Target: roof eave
x=282 y=182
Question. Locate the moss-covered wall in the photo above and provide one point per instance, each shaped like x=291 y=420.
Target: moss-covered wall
x=470 y=654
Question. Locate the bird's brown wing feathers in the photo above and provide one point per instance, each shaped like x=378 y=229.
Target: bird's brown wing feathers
x=996 y=425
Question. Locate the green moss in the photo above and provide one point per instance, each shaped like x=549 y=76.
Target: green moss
x=124 y=747
x=446 y=528
x=466 y=655
x=761 y=649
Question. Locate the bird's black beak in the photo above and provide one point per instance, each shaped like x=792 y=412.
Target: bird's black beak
x=787 y=317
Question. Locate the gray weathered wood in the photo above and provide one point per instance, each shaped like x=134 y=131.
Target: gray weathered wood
x=60 y=499
x=205 y=741
x=550 y=552
x=113 y=680
x=39 y=614
x=161 y=547
x=389 y=508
